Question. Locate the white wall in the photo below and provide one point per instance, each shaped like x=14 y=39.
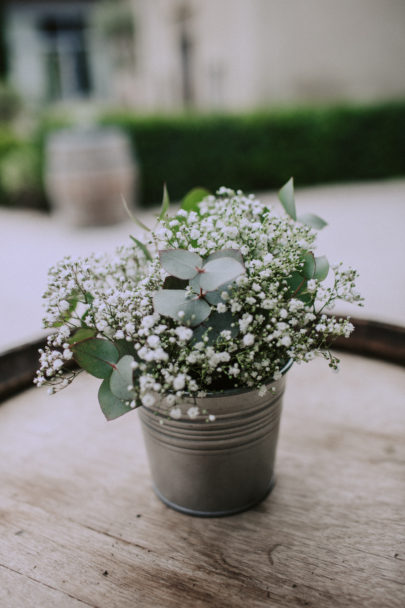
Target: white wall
x=250 y=53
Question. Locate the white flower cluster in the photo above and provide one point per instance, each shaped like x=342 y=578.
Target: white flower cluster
x=271 y=322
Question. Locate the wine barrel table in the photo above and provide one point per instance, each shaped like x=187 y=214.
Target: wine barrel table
x=88 y=171
x=80 y=525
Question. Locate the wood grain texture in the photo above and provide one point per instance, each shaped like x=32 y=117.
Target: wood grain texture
x=80 y=525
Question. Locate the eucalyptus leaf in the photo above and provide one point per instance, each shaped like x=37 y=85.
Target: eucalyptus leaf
x=298 y=288
x=180 y=263
x=213 y=326
x=286 y=196
x=125 y=348
x=111 y=406
x=122 y=377
x=193 y=198
x=220 y=271
x=165 y=203
x=225 y=253
x=142 y=247
x=82 y=334
x=308 y=269
x=214 y=297
x=321 y=268
x=195 y=284
x=310 y=219
x=96 y=356
x=170 y=302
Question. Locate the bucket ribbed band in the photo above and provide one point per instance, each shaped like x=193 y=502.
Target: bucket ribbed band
x=215 y=468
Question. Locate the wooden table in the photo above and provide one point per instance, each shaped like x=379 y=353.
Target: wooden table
x=80 y=525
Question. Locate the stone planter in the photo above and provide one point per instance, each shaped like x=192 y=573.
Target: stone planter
x=215 y=468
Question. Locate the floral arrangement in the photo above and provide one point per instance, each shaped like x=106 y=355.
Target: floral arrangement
x=220 y=296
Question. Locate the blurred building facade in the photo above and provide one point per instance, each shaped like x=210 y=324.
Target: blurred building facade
x=48 y=53
x=208 y=54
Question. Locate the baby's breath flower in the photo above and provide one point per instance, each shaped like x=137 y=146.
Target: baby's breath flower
x=184 y=333
x=269 y=314
x=148 y=400
x=193 y=412
x=179 y=382
x=248 y=339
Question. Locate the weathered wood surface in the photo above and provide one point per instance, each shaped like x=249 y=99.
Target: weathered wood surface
x=80 y=525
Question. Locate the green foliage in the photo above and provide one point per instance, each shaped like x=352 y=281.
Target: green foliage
x=321 y=268
x=308 y=269
x=165 y=203
x=226 y=253
x=96 y=356
x=214 y=297
x=142 y=247
x=82 y=334
x=121 y=379
x=219 y=271
x=171 y=302
x=261 y=150
x=310 y=219
x=111 y=406
x=253 y=152
x=180 y=263
x=213 y=326
x=297 y=287
x=10 y=103
x=204 y=277
x=192 y=198
x=8 y=144
x=287 y=199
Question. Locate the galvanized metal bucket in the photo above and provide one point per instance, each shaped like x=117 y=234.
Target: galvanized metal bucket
x=211 y=469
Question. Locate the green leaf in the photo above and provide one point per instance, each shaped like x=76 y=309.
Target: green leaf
x=298 y=288
x=82 y=334
x=133 y=217
x=125 y=348
x=214 y=297
x=225 y=253
x=308 y=269
x=193 y=198
x=174 y=283
x=220 y=271
x=213 y=326
x=286 y=196
x=310 y=219
x=169 y=302
x=96 y=356
x=165 y=203
x=180 y=263
x=142 y=247
x=122 y=377
x=321 y=268
x=66 y=314
x=264 y=213
x=111 y=406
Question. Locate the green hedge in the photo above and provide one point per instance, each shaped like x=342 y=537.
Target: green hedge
x=252 y=152
x=262 y=150
x=8 y=144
